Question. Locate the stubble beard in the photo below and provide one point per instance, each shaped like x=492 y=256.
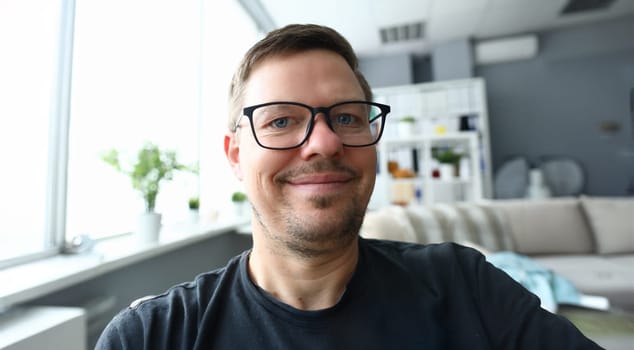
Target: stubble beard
x=319 y=235
x=311 y=238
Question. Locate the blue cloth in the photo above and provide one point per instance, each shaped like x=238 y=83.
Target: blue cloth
x=551 y=288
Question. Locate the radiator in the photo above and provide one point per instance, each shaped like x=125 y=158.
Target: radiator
x=43 y=327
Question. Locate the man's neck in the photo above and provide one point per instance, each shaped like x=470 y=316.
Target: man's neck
x=304 y=283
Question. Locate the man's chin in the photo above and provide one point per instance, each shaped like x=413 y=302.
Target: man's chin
x=321 y=236
x=324 y=202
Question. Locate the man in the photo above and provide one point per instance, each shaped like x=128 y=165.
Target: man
x=302 y=135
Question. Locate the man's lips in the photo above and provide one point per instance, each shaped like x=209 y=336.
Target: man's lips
x=320 y=179
x=322 y=174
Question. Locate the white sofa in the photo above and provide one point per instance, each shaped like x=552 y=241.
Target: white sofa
x=587 y=240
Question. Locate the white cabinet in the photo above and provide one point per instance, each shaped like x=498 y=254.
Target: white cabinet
x=43 y=327
x=449 y=115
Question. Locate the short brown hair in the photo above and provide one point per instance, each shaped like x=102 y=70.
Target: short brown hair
x=291 y=39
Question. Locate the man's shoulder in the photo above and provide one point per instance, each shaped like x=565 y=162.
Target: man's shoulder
x=170 y=317
x=447 y=251
x=428 y=261
x=190 y=293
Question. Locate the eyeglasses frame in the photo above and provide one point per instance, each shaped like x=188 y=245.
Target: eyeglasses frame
x=248 y=112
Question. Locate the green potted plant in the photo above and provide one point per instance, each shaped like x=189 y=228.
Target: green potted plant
x=407 y=125
x=449 y=160
x=194 y=204
x=239 y=200
x=447 y=156
x=152 y=167
x=408 y=119
x=238 y=197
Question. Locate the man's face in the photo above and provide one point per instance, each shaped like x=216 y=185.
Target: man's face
x=310 y=199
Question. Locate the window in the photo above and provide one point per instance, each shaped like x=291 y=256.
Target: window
x=135 y=79
x=29 y=102
x=150 y=72
x=140 y=81
x=227 y=35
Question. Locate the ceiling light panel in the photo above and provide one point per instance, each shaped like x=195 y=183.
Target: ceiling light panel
x=403 y=32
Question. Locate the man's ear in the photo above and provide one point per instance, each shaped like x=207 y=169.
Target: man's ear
x=232 y=151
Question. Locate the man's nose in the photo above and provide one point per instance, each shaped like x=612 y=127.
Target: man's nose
x=322 y=138
x=322 y=125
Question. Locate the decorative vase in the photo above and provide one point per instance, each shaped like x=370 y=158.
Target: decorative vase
x=406 y=128
x=537 y=188
x=148 y=227
x=403 y=191
x=194 y=216
x=239 y=209
x=447 y=171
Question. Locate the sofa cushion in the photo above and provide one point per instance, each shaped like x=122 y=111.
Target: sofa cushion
x=390 y=223
x=612 y=223
x=471 y=222
x=549 y=226
x=465 y=223
x=426 y=225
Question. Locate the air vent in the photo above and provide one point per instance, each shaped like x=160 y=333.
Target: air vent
x=577 y=6
x=403 y=32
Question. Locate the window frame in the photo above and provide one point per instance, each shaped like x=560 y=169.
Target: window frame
x=53 y=234
x=55 y=229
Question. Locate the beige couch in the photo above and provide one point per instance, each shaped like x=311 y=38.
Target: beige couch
x=587 y=240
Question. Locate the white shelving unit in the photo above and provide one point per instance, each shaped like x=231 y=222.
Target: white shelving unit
x=439 y=108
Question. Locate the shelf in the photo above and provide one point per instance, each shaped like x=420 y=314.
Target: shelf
x=435 y=104
x=461 y=135
x=431 y=180
x=457 y=180
x=458 y=137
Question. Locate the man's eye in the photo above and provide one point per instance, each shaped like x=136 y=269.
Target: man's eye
x=280 y=123
x=346 y=119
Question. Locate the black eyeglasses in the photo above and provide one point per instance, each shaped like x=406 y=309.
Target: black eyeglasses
x=286 y=125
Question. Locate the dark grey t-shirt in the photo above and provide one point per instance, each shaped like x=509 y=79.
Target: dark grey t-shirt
x=402 y=296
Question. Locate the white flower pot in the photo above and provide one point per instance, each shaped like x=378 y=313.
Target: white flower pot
x=194 y=216
x=406 y=129
x=148 y=227
x=240 y=209
x=447 y=171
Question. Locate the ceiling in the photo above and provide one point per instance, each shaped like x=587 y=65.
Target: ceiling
x=443 y=20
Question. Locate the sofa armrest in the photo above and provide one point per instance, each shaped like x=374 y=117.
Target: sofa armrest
x=549 y=226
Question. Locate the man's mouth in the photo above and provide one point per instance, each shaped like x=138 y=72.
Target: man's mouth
x=319 y=173
x=321 y=178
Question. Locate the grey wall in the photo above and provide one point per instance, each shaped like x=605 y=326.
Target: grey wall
x=552 y=105
x=387 y=70
x=452 y=60
x=152 y=276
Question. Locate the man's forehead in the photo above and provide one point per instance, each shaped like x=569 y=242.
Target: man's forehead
x=280 y=77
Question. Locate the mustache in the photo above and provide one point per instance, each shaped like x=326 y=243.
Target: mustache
x=316 y=167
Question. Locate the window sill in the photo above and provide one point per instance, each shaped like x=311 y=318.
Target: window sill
x=29 y=281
